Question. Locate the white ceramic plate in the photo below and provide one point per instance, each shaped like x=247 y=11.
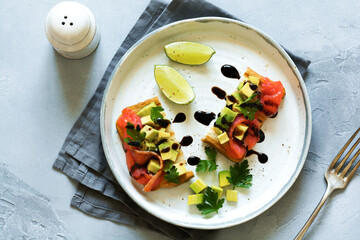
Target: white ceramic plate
x=241 y=45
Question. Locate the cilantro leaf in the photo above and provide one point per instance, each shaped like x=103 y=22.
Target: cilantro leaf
x=202 y=166
x=250 y=106
x=172 y=175
x=156 y=113
x=136 y=137
x=168 y=164
x=240 y=175
x=210 y=203
x=210 y=163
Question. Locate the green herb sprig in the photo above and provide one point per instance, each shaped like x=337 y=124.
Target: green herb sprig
x=172 y=175
x=136 y=137
x=240 y=175
x=250 y=106
x=210 y=203
x=210 y=163
x=156 y=113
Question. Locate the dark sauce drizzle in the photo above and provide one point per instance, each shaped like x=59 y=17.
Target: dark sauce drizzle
x=163 y=122
x=218 y=92
x=262 y=136
x=274 y=116
x=193 y=160
x=179 y=118
x=230 y=71
x=204 y=117
x=262 y=157
x=186 y=141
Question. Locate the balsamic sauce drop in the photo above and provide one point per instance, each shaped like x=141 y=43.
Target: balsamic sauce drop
x=179 y=118
x=193 y=160
x=165 y=150
x=230 y=71
x=163 y=122
x=218 y=92
x=186 y=141
x=262 y=157
x=274 y=116
x=204 y=117
x=262 y=136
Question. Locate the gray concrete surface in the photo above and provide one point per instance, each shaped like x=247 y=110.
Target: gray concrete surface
x=42 y=94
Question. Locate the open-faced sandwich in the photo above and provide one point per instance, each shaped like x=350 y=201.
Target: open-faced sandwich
x=237 y=128
x=153 y=156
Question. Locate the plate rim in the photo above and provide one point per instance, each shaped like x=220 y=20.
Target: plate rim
x=292 y=66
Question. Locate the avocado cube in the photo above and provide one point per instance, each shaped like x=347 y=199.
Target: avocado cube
x=153 y=166
x=254 y=80
x=195 y=198
x=198 y=185
x=146 y=128
x=217 y=190
x=223 y=182
x=162 y=135
x=246 y=91
x=217 y=131
x=174 y=154
x=148 y=146
x=241 y=84
x=220 y=124
x=147 y=121
x=223 y=138
x=165 y=150
x=228 y=114
x=146 y=110
x=151 y=135
x=180 y=168
x=240 y=131
x=234 y=98
x=231 y=195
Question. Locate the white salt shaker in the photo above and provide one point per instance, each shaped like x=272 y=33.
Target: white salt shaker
x=71 y=29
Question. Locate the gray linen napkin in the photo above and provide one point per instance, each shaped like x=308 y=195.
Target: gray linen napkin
x=82 y=157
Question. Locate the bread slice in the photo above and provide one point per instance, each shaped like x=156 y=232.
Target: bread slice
x=211 y=137
x=180 y=157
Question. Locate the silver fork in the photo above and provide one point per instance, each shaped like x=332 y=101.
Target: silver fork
x=335 y=179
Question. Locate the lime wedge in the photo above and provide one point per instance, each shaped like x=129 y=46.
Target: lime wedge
x=189 y=53
x=173 y=85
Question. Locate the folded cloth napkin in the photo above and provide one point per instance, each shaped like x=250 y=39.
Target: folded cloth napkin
x=82 y=157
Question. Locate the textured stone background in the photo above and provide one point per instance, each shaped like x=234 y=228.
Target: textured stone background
x=42 y=94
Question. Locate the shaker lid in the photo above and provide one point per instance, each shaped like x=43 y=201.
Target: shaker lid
x=70 y=26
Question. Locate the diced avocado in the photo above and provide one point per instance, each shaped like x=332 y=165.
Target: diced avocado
x=171 y=154
x=217 y=131
x=151 y=135
x=246 y=91
x=153 y=166
x=147 y=121
x=162 y=135
x=254 y=80
x=231 y=195
x=223 y=138
x=148 y=146
x=228 y=114
x=198 y=185
x=180 y=168
x=146 y=110
x=241 y=84
x=146 y=128
x=195 y=198
x=218 y=190
x=226 y=117
x=223 y=182
x=234 y=98
x=240 y=131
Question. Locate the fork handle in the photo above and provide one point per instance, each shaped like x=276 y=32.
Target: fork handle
x=302 y=232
